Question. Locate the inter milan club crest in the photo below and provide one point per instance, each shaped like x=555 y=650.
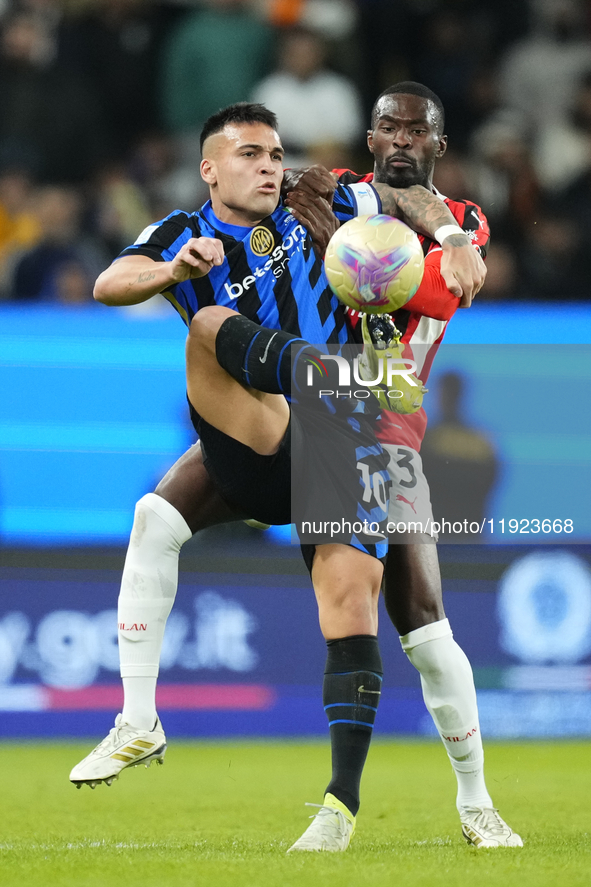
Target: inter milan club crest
x=261 y=241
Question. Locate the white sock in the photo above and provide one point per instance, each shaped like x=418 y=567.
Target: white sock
x=148 y=589
x=450 y=697
x=139 y=706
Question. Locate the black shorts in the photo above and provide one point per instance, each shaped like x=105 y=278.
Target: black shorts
x=260 y=486
x=318 y=479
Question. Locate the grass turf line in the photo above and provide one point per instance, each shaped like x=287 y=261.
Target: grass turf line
x=224 y=814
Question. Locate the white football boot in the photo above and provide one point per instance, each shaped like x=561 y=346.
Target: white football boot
x=331 y=828
x=125 y=746
x=483 y=827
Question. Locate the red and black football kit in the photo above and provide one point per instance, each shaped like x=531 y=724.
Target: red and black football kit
x=424 y=318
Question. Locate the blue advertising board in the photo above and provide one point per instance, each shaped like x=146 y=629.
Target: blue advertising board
x=243 y=652
x=93 y=413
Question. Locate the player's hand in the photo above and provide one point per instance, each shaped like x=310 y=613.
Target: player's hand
x=315 y=214
x=316 y=181
x=196 y=258
x=462 y=268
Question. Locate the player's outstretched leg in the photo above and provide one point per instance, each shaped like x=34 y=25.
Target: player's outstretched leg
x=450 y=696
x=351 y=690
x=414 y=601
x=148 y=589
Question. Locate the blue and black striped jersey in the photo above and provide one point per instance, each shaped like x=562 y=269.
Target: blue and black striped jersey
x=270 y=273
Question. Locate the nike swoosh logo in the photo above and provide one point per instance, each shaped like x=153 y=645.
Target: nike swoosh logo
x=362 y=689
x=263 y=359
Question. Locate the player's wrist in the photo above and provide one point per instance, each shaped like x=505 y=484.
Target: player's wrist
x=445 y=233
x=175 y=273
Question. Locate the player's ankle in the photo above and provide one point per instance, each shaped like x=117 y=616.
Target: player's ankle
x=139 y=720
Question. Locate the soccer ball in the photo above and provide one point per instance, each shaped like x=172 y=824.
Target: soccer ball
x=374 y=264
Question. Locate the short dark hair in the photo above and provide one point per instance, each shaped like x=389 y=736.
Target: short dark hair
x=409 y=87
x=240 y=112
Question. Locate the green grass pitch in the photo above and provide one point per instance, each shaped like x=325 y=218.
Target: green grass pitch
x=224 y=814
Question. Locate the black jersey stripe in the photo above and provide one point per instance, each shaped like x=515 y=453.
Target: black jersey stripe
x=340 y=321
x=163 y=237
x=316 y=271
x=287 y=306
x=204 y=291
x=324 y=304
x=249 y=303
x=402 y=319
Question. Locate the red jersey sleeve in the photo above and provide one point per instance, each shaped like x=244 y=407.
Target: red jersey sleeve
x=433 y=299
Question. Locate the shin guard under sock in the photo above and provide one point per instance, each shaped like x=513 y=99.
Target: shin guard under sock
x=148 y=589
x=257 y=356
x=351 y=692
x=450 y=697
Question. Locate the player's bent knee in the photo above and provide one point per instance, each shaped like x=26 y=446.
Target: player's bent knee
x=206 y=323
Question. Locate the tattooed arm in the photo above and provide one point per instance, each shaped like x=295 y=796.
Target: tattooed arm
x=134 y=279
x=416 y=206
x=462 y=267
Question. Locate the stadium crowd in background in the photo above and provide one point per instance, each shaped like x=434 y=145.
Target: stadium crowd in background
x=100 y=103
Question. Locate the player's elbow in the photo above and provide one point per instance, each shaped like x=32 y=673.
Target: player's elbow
x=444 y=311
x=99 y=294
x=103 y=290
x=439 y=306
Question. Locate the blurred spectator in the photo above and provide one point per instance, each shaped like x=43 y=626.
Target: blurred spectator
x=121 y=209
x=167 y=183
x=114 y=47
x=504 y=179
x=396 y=38
x=453 y=176
x=213 y=57
x=459 y=461
x=495 y=25
x=389 y=33
x=557 y=253
x=540 y=73
x=482 y=96
x=554 y=256
x=284 y=13
x=335 y=19
x=448 y=61
x=48 y=119
x=19 y=227
x=64 y=264
x=502 y=276
x=563 y=148
x=318 y=111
